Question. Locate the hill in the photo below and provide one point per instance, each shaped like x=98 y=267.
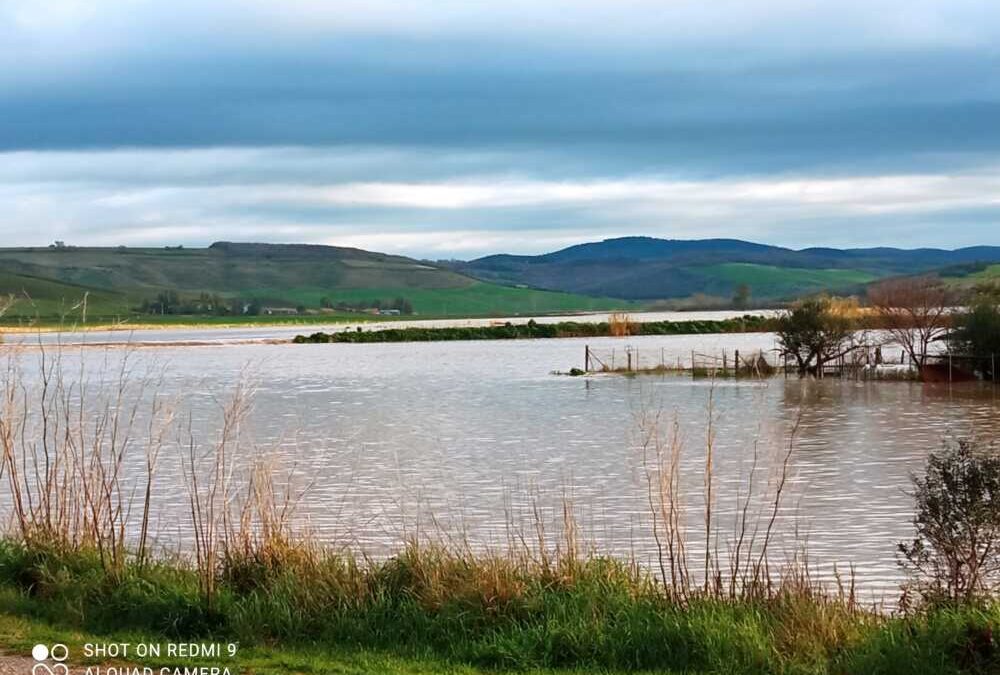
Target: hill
x=233 y=277
x=644 y=268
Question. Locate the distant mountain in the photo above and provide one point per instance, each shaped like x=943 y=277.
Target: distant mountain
x=644 y=268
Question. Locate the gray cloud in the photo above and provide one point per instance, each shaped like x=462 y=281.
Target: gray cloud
x=139 y=122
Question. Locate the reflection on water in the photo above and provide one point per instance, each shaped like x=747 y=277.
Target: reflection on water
x=391 y=436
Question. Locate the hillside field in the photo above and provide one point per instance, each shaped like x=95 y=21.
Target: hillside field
x=770 y=281
x=51 y=284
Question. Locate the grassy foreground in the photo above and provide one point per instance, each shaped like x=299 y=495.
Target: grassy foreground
x=427 y=610
x=18 y=633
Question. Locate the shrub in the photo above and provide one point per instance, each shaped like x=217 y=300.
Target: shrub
x=955 y=556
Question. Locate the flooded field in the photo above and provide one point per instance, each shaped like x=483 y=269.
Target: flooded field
x=468 y=439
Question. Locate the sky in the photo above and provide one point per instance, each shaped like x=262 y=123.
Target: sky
x=455 y=129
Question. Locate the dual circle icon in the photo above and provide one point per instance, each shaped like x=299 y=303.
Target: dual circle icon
x=43 y=653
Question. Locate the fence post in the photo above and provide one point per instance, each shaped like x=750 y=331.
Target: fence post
x=949 y=367
x=736 y=363
x=586 y=358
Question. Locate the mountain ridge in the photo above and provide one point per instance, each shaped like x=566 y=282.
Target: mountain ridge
x=646 y=268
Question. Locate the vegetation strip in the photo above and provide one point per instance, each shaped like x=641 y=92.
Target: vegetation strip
x=534 y=330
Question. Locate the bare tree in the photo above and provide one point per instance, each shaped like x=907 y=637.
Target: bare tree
x=915 y=311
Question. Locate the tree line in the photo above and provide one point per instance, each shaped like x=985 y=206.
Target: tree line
x=915 y=313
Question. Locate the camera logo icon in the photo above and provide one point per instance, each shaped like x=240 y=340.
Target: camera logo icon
x=58 y=653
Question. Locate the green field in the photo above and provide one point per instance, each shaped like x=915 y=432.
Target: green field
x=478 y=298
x=51 y=298
x=989 y=273
x=780 y=282
x=50 y=284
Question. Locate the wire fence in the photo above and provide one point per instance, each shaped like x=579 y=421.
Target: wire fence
x=874 y=361
x=725 y=363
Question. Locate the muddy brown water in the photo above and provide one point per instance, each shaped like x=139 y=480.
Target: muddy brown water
x=465 y=439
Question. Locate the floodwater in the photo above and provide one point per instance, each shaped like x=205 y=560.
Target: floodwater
x=469 y=439
x=236 y=335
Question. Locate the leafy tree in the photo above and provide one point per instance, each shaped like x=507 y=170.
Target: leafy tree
x=977 y=333
x=955 y=555
x=166 y=302
x=813 y=334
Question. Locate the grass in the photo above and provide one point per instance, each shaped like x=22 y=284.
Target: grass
x=476 y=299
x=782 y=282
x=974 y=274
x=46 y=297
x=427 y=610
x=18 y=633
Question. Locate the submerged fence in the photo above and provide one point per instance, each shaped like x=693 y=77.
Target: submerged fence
x=757 y=363
x=865 y=362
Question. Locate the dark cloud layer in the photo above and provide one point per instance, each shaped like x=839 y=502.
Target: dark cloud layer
x=307 y=93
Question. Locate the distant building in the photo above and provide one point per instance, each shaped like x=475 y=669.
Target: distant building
x=390 y=312
x=279 y=311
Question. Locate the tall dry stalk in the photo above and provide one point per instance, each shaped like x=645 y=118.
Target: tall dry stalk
x=208 y=477
x=746 y=568
x=64 y=442
x=709 y=483
x=620 y=324
x=661 y=458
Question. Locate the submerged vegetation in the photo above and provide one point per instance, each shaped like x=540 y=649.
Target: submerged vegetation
x=533 y=330
x=79 y=556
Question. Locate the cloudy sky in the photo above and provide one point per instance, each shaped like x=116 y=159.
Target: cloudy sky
x=455 y=128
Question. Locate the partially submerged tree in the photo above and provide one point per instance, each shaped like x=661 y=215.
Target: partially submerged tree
x=955 y=555
x=977 y=333
x=914 y=312
x=813 y=334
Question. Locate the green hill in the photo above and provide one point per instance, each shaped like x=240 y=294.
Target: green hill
x=644 y=268
x=769 y=281
x=52 y=282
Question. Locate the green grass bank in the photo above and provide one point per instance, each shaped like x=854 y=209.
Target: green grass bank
x=428 y=610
